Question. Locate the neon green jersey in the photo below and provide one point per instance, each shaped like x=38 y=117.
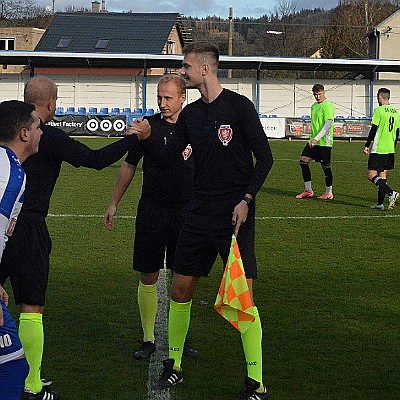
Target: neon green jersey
x=387 y=119
x=321 y=112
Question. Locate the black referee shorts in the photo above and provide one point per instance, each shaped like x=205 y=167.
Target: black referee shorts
x=321 y=154
x=26 y=259
x=380 y=162
x=207 y=233
x=157 y=230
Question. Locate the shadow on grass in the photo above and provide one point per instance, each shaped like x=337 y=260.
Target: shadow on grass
x=292 y=195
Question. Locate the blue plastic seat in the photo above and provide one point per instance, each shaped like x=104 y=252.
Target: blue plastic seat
x=59 y=110
x=115 y=111
x=138 y=111
x=305 y=117
x=92 y=110
x=149 y=111
x=70 y=110
x=104 y=110
x=126 y=110
x=81 y=111
x=130 y=118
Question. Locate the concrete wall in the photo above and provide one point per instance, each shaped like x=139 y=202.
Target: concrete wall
x=285 y=98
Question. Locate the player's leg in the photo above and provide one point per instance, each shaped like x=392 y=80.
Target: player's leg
x=31 y=333
x=147 y=303
x=148 y=259
x=252 y=337
x=305 y=159
x=182 y=290
x=377 y=163
x=12 y=378
x=194 y=257
x=324 y=157
x=175 y=223
x=28 y=251
x=381 y=194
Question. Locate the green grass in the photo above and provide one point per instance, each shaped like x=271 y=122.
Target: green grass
x=327 y=292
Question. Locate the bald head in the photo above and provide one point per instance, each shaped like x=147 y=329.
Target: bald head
x=42 y=92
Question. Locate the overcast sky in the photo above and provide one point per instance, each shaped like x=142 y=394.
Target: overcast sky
x=199 y=8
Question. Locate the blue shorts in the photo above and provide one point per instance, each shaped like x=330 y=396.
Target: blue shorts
x=12 y=377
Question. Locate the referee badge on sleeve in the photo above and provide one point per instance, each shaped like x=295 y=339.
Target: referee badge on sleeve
x=225 y=134
x=187 y=152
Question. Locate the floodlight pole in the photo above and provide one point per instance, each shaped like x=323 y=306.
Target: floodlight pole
x=230 y=38
x=144 y=90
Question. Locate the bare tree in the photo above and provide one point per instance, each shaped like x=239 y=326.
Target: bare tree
x=285 y=8
x=352 y=19
x=19 y=9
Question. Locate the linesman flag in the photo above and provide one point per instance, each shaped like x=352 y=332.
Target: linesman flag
x=233 y=300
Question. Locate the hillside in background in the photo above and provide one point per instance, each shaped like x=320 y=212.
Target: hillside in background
x=288 y=32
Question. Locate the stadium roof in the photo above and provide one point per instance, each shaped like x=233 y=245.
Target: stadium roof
x=108 y=32
x=54 y=59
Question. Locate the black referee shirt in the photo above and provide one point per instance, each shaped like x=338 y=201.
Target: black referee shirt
x=224 y=135
x=43 y=168
x=170 y=187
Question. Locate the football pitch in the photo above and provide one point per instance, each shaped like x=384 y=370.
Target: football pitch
x=327 y=292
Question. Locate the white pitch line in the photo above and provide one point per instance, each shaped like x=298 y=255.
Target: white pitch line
x=161 y=333
x=332 y=217
x=332 y=161
x=89 y=216
x=314 y=217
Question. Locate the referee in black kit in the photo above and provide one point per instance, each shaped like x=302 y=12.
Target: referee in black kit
x=26 y=257
x=225 y=132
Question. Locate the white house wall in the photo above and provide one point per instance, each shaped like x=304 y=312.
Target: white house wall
x=281 y=97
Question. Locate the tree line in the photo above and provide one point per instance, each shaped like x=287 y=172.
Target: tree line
x=288 y=32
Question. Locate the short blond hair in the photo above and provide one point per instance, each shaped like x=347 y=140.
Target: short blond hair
x=177 y=79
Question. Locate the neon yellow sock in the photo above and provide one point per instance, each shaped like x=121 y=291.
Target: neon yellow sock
x=178 y=326
x=32 y=339
x=252 y=347
x=147 y=301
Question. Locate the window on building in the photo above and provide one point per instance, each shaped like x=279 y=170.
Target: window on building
x=64 y=42
x=102 y=44
x=7 y=43
x=170 y=47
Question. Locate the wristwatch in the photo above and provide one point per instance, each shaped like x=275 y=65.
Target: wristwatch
x=248 y=200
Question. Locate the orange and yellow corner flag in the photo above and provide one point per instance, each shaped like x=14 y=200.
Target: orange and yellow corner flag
x=233 y=300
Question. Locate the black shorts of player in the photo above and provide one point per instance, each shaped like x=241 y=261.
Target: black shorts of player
x=321 y=154
x=26 y=259
x=157 y=230
x=206 y=232
x=380 y=162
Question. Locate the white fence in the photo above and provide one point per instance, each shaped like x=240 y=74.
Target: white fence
x=281 y=97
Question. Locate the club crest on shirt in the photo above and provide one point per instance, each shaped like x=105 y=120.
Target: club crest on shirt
x=187 y=152
x=225 y=134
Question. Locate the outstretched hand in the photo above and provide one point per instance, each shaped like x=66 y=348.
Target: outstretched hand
x=140 y=127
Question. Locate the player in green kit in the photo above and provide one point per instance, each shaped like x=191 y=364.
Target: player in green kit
x=384 y=134
x=319 y=146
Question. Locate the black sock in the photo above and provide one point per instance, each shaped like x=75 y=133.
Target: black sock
x=328 y=174
x=382 y=185
x=381 y=194
x=305 y=170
